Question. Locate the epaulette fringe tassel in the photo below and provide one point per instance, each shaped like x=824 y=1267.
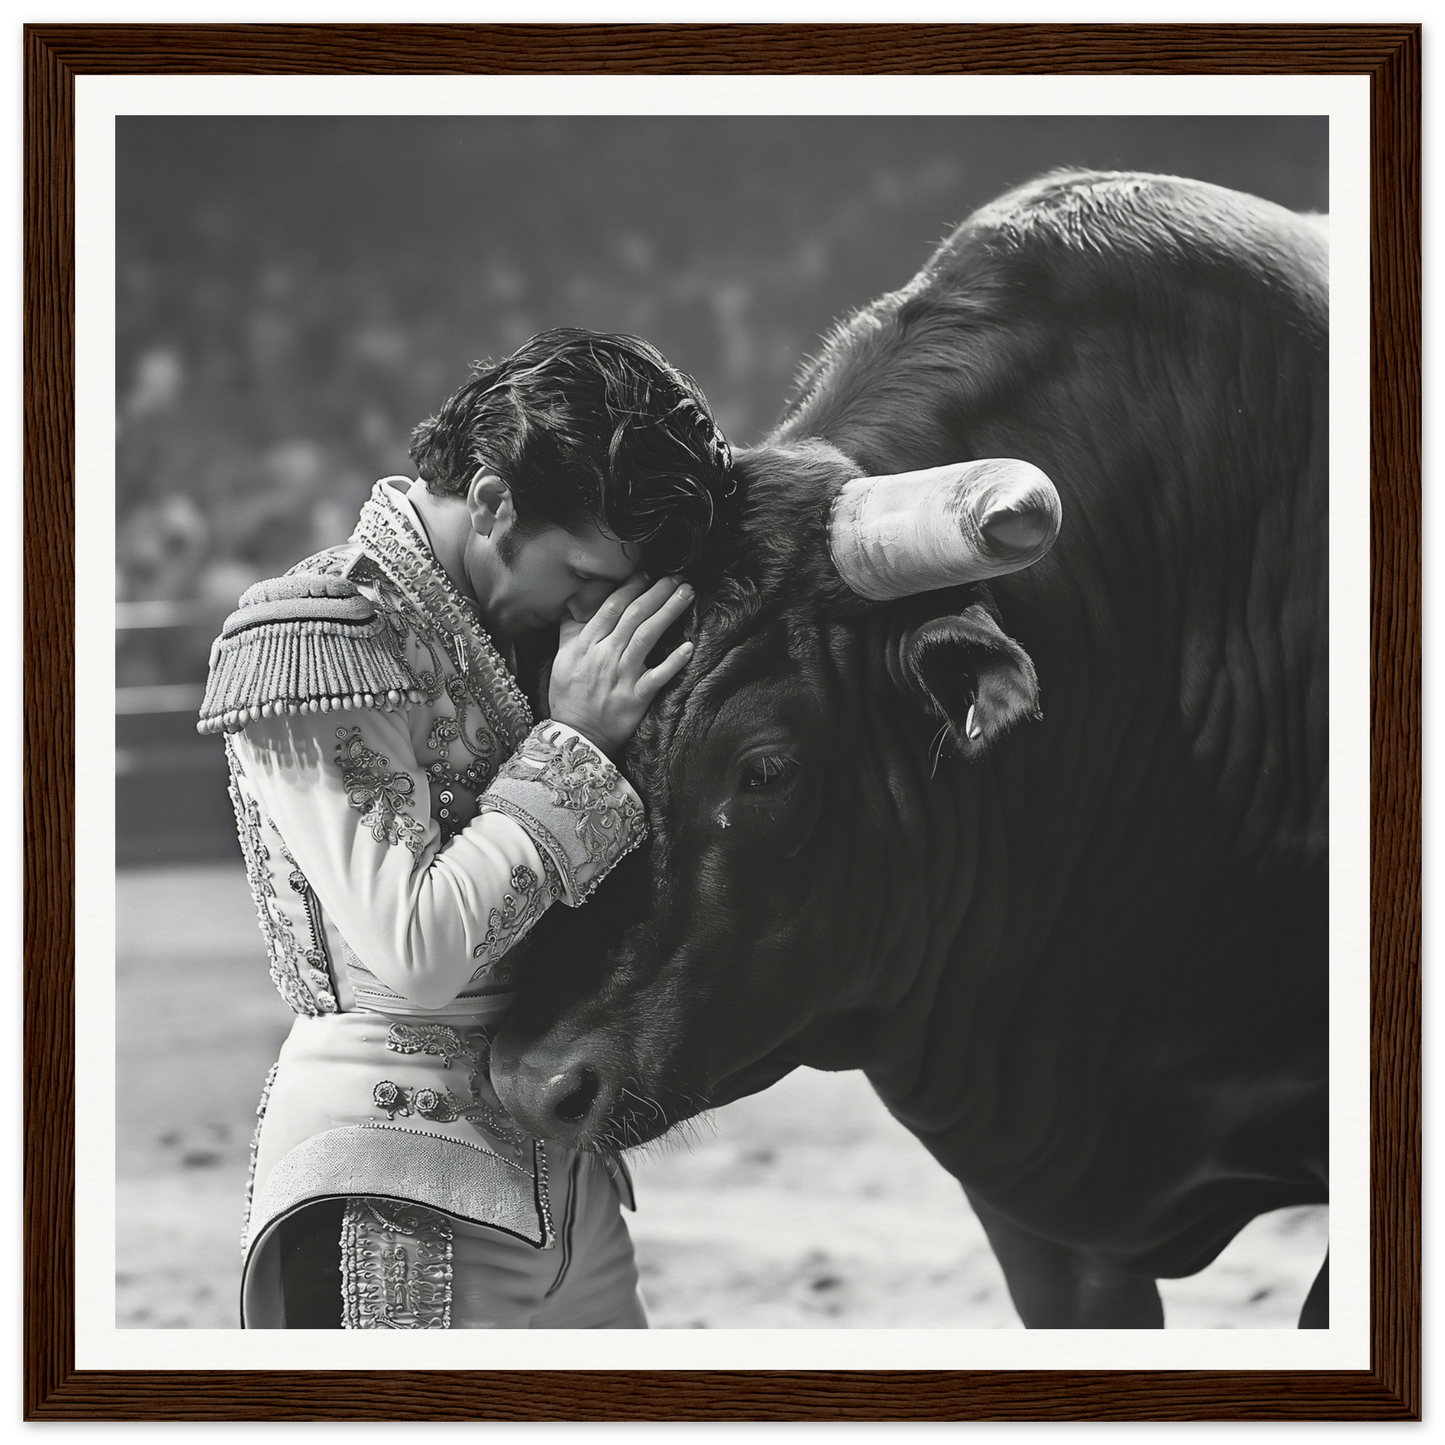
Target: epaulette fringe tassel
x=302 y=644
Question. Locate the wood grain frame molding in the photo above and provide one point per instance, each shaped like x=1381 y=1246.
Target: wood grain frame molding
x=54 y=1389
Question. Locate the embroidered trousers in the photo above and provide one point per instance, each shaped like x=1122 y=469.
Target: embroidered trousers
x=386 y=1264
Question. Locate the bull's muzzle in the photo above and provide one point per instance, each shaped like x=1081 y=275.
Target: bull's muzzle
x=554 y=1091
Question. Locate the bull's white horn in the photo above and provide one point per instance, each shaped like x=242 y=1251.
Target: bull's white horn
x=919 y=531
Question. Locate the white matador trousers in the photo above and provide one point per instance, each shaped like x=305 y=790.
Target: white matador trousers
x=497 y=1282
x=404 y=1266
x=369 y=1205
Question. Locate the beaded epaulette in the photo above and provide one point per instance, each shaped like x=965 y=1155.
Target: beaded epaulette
x=303 y=643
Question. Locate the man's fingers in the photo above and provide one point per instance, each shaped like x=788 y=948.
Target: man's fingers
x=605 y=619
x=647 y=605
x=649 y=630
x=656 y=678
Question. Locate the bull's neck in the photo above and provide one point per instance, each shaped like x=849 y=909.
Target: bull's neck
x=953 y=905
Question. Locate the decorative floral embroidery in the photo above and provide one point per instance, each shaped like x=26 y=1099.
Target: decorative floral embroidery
x=440 y=1040
x=554 y=878
x=382 y=797
x=444 y=733
x=440 y=620
x=441 y=1106
x=497 y=1122
x=520 y=909
x=300 y=974
x=334 y=562
x=482 y=1109
x=485 y=748
x=396 y=1266
x=609 y=821
x=318 y=955
x=544 y=1194
x=255 y=1151
x=422 y=608
x=454 y=796
x=424 y=612
x=438 y=1105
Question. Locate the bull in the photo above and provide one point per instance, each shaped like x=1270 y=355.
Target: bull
x=1035 y=838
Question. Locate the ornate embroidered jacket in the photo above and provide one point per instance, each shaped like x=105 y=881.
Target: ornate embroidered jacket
x=403 y=824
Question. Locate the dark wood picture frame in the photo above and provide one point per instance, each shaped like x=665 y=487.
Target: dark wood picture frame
x=1390 y=1389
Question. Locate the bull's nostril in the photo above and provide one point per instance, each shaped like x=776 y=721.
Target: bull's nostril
x=579 y=1101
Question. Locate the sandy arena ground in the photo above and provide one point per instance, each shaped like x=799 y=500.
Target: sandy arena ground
x=806 y=1206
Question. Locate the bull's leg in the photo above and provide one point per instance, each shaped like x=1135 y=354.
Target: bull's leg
x=1316 y=1312
x=1056 y=1287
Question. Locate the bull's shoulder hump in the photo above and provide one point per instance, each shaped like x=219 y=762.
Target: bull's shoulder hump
x=1102 y=219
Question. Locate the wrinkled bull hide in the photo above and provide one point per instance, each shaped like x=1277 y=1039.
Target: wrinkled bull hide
x=1045 y=856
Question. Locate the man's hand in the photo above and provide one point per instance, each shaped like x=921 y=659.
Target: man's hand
x=601 y=684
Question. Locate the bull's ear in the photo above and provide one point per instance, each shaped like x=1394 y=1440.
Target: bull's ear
x=970 y=674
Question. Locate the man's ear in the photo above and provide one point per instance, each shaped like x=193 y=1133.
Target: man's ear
x=969 y=674
x=489 y=500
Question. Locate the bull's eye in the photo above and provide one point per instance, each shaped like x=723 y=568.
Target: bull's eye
x=766 y=771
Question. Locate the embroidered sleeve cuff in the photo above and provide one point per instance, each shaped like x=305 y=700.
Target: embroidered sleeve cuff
x=577 y=808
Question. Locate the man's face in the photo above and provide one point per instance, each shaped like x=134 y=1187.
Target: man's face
x=530 y=580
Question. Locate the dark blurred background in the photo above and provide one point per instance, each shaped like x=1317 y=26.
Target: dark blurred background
x=294 y=294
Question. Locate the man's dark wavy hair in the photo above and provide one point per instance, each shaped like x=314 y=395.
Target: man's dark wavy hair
x=584 y=426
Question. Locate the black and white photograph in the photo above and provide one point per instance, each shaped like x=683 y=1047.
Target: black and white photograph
x=723 y=722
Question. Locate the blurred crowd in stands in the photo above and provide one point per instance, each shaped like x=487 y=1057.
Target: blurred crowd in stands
x=295 y=293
